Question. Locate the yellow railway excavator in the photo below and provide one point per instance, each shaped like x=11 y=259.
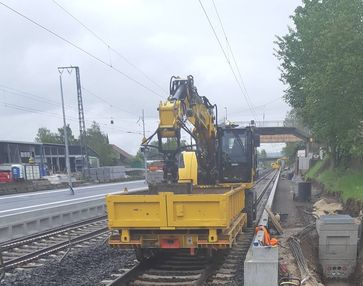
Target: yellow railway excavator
x=205 y=199
x=277 y=164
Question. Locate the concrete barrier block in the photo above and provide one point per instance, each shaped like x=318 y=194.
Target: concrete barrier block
x=56 y=220
x=18 y=230
x=66 y=218
x=34 y=221
x=44 y=223
x=261 y=267
x=32 y=227
x=5 y=231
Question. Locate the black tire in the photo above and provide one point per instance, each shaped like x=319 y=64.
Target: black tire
x=250 y=207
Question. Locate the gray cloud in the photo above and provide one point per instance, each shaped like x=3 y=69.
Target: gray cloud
x=162 y=38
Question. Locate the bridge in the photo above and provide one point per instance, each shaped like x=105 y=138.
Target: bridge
x=277 y=132
x=269 y=158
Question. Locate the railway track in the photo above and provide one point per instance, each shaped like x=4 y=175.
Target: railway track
x=264 y=176
x=22 y=252
x=231 y=270
x=261 y=198
x=168 y=268
x=174 y=268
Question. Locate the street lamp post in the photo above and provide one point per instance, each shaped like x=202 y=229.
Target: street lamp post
x=82 y=125
x=65 y=133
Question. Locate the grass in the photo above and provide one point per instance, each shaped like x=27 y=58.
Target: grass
x=313 y=171
x=351 y=185
x=348 y=182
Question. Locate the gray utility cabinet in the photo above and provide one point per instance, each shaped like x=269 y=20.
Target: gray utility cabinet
x=338 y=239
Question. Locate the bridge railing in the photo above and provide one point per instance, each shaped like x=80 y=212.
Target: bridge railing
x=274 y=123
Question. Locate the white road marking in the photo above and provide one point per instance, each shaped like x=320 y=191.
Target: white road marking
x=66 y=190
x=72 y=200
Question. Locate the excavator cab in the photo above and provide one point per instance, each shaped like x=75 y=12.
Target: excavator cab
x=220 y=154
x=237 y=154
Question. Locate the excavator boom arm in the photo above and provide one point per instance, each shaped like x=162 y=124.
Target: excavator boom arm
x=185 y=105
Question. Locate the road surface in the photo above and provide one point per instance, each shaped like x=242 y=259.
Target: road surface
x=18 y=203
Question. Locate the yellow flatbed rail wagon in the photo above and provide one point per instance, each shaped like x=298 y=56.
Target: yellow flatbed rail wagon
x=208 y=217
x=204 y=199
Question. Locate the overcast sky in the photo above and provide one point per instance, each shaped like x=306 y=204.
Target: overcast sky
x=160 y=38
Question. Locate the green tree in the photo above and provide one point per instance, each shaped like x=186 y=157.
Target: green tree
x=291 y=149
x=294 y=119
x=70 y=136
x=138 y=160
x=263 y=154
x=44 y=135
x=98 y=141
x=322 y=65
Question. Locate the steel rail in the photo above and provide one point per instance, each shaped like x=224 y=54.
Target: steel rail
x=126 y=277
x=264 y=176
x=265 y=188
x=263 y=221
x=260 y=205
x=264 y=218
x=54 y=231
x=52 y=248
x=137 y=271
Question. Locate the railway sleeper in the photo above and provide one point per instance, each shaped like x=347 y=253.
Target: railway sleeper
x=176 y=267
x=182 y=262
x=175 y=272
x=155 y=283
x=170 y=278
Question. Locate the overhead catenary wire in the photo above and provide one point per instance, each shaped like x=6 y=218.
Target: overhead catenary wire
x=42 y=99
x=111 y=105
x=119 y=130
x=82 y=50
x=231 y=52
x=256 y=107
x=227 y=59
x=109 y=47
x=106 y=102
x=56 y=115
x=32 y=96
x=30 y=109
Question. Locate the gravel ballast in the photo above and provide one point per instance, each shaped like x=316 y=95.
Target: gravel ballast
x=81 y=266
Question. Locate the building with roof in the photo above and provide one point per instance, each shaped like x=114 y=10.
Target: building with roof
x=124 y=158
x=48 y=156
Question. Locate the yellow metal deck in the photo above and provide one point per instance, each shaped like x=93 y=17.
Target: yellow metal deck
x=212 y=217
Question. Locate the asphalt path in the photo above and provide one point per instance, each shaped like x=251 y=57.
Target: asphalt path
x=20 y=203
